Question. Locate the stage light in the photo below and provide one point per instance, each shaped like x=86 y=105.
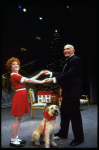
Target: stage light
x=38 y=38
x=19 y=6
x=40 y=18
x=23 y=49
x=24 y=9
x=56 y=30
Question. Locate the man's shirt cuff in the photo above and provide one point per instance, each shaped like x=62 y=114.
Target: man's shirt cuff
x=54 y=79
x=50 y=75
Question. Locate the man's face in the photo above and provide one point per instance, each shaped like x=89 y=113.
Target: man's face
x=68 y=51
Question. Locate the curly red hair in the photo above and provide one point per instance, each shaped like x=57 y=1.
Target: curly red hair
x=10 y=61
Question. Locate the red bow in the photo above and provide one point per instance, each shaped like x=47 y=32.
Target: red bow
x=48 y=118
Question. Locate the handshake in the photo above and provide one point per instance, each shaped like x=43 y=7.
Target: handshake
x=46 y=72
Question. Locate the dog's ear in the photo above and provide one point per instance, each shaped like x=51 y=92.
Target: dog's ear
x=46 y=110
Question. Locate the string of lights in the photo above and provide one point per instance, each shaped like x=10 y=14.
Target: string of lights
x=55 y=63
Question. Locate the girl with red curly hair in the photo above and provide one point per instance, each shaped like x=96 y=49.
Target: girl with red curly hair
x=20 y=103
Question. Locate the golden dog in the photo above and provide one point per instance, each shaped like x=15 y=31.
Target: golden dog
x=45 y=130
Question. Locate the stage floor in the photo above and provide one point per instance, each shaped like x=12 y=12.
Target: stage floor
x=89 y=118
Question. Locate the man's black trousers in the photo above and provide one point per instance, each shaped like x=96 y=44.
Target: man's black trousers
x=70 y=111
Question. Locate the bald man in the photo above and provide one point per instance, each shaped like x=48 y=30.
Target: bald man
x=70 y=77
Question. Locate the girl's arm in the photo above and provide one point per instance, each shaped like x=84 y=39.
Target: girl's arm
x=38 y=75
x=31 y=80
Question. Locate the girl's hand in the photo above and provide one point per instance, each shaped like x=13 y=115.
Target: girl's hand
x=42 y=72
x=48 y=80
x=47 y=72
x=43 y=81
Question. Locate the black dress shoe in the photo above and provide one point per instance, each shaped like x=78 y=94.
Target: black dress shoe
x=76 y=142
x=17 y=145
x=23 y=142
x=61 y=135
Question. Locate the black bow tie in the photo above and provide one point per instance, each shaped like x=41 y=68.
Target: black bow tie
x=66 y=60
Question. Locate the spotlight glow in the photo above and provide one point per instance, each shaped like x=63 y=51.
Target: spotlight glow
x=19 y=6
x=40 y=18
x=24 y=9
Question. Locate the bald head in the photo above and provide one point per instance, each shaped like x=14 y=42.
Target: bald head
x=68 y=50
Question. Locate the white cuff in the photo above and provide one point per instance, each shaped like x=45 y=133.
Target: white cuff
x=54 y=79
x=50 y=74
x=22 y=79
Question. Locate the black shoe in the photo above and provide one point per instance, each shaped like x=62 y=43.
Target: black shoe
x=61 y=135
x=17 y=145
x=23 y=142
x=76 y=142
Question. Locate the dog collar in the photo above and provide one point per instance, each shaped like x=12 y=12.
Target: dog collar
x=48 y=118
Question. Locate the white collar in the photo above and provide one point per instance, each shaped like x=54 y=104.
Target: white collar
x=69 y=56
x=14 y=73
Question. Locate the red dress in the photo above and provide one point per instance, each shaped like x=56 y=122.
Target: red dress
x=20 y=103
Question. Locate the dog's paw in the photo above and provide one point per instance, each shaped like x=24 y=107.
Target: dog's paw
x=32 y=140
x=56 y=137
x=47 y=146
x=53 y=144
x=37 y=143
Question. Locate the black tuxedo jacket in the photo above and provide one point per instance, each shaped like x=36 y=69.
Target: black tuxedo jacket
x=71 y=78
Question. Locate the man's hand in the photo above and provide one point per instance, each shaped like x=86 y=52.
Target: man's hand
x=48 y=80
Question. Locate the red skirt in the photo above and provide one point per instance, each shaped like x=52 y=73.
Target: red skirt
x=20 y=104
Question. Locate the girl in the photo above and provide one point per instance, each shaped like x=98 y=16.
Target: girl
x=20 y=103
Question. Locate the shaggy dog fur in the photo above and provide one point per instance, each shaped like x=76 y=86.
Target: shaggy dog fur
x=52 y=111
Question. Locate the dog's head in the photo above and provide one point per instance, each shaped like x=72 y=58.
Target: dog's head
x=53 y=110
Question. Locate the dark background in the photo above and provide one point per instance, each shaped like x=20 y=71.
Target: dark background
x=76 y=25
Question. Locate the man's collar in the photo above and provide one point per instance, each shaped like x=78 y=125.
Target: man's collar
x=69 y=57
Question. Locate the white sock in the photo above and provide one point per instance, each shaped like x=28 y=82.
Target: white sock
x=15 y=141
x=12 y=140
x=18 y=139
